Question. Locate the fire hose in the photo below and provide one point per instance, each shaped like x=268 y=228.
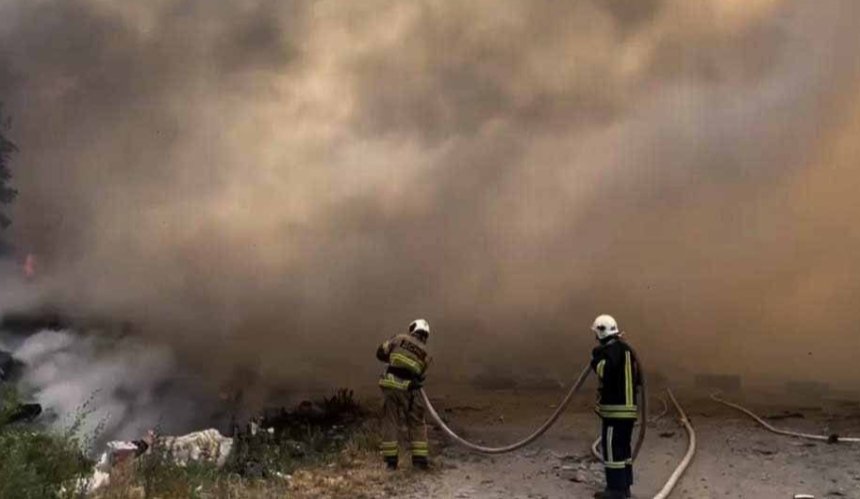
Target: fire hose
x=596 y=444
x=643 y=411
x=825 y=438
x=688 y=456
x=516 y=445
x=663 y=412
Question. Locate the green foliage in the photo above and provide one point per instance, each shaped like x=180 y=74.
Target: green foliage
x=7 y=148
x=36 y=463
x=9 y=403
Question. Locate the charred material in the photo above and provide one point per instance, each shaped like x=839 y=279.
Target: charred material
x=23 y=413
x=10 y=367
x=29 y=322
x=337 y=410
x=278 y=440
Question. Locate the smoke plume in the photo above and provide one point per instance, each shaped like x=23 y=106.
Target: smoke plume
x=274 y=187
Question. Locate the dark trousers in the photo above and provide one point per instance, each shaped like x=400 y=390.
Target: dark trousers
x=616 y=435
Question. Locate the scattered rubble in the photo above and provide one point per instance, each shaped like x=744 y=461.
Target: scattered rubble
x=200 y=446
x=207 y=446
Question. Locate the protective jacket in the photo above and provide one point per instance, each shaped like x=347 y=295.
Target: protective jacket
x=407 y=360
x=618 y=370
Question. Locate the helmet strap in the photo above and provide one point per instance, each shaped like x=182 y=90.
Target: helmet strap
x=609 y=339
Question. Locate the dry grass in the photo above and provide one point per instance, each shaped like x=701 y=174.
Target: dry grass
x=303 y=460
x=353 y=474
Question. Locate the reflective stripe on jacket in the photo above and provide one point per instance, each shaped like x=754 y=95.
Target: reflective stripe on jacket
x=618 y=371
x=407 y=360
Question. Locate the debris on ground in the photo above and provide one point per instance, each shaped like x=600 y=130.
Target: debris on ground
x=785 y=415
x=207 y=446
x=118 y=453
x=273 y=444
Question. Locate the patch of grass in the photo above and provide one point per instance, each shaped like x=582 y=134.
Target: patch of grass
x=35 y=462
x=160 y=476
x=153 y=478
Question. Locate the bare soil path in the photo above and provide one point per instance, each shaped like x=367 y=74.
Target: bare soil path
x=735 y=457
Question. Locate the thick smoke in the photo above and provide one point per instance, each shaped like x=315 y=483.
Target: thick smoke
x=112 y=387
x=273 y=186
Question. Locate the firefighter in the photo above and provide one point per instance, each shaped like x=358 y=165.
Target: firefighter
x=407 y=359
x=618 y=371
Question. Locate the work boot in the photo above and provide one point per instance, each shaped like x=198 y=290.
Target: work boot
x=391 y=464
x=420 y=463
x=610 y=494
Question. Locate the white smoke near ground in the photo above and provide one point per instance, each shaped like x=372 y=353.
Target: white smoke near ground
x=109 y=387
x=105 y=382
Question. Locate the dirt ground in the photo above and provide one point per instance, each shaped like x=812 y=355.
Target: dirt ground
x=735 y=458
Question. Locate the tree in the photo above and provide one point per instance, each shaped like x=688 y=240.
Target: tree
x=7 y=149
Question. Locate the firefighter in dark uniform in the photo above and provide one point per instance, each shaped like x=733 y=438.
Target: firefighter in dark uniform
x=407 y=359
x=618 y=370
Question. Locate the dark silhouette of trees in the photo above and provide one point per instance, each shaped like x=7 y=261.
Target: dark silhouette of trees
x=7 y=149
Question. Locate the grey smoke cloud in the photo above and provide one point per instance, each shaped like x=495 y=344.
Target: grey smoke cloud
x=117 y=387
x=277 y=185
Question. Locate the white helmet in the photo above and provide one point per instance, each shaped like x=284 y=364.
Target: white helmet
x=605 y=326
x=418 y=326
